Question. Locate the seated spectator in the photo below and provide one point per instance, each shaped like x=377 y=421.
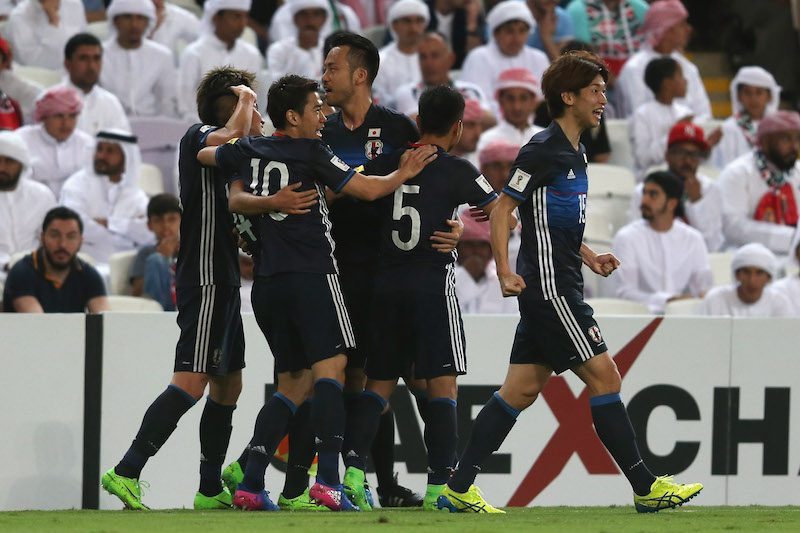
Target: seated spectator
x=613 y=27
x=702 y=199
x=400 y=58
x=790 y=285
x=108 y=197
x=340 y=17
x=668 y=32
x=661 y=258
x=477 y=286
x=517 y=95
x=436 y=59
x=173 y=26
x=471 y=130
x=53 y=279
x=83 y=61
x=140 y=72
x=758 y=189
x=23 y=202
x=302 y=53
x=753 y=266
x=219 y=44
x=652 y=121
x=754 y=94
x=18 y=89
x=495 y=160
x=56 y=147
x=461 y=23
x=164 y=221
x=510 y=24
x=39 y=29
x=553 y=27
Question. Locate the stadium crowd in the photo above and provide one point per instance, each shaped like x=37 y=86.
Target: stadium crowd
x=82 y=86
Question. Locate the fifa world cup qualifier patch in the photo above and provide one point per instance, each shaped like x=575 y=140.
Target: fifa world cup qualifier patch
x=519 y=180
x=338 y=163
x=484 y=184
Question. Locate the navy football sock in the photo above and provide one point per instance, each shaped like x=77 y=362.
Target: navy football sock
x=351 y=413
x=271 y=424
x=301 y=452
x=328 y=419
x=615 y=430
x=159 y=421
x=441 y=439
x=491 y=428
x=242 y=460
x=382 y=449
x=363 y=428
x=215 y=435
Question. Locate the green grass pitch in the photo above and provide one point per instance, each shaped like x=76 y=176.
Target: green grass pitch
x=693 y=519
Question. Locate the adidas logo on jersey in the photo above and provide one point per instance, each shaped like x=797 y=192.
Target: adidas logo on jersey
x=570 y=175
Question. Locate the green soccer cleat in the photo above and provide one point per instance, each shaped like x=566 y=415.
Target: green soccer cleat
x=232 y=476
x=666 y=494
x=432 y=494
x=354 y=487
x=300 y=503
x=222 y=500
x=468 y=502
x=127 y=489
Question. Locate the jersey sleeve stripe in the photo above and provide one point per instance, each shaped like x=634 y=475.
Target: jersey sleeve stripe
x=513 y=194
x=346 y=179
x=488 y=199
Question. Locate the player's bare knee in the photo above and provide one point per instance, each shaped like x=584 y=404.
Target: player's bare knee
x=442 y=387
x=382 y=388
x=193 y=384
x=519 y=397
x=331 y=368
x=226 y=389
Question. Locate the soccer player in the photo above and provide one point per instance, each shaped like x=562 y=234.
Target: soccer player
x=556 y=331
x=297 y=298
x=210 y=350
x=359 y=132
x=416 y=311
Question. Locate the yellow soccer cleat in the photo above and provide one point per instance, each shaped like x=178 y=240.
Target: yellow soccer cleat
x=468 y=502
x=666 y=494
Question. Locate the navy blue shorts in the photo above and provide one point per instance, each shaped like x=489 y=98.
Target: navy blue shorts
x=303 y=317
x=212 y=338
x=358 y=282
x=559 y=333
x=419 y=331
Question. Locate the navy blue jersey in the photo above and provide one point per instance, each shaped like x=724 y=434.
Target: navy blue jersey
x=549 y=178
x=289 y=243
x=422 y=205
x=208 y=254
x=355 y=222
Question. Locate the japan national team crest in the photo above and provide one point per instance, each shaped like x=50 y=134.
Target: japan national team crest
x=373 y=148
x=594 y=333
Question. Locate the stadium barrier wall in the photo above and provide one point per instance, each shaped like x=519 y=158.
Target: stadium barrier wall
x=710 y=399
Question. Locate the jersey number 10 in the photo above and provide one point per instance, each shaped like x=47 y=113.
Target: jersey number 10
x=258 y=185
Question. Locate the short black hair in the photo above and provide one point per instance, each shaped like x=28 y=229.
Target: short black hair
x=658 y=70
x=288 y=93
x=570 y=73
x=61 y=213
x=362 y=53
x=671 y=184
x=217 y=83
x=78 y=40
x=439 y=108
x=163 y=203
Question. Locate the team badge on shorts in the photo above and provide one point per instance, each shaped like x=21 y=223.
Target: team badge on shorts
x=594 y=333
x=373 y=148
x=216 y=357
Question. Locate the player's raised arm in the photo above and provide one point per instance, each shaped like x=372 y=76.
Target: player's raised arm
x=510 y=283
x=241 y=121
x=374 y=187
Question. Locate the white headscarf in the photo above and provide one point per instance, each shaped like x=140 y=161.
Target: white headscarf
x=406 y=8
x=757 y=77
x=212 y=7
x=133 y=156
x=296 y=6
x=130 y=7
x=508 y=11
x=13 y=147
x=755 y=255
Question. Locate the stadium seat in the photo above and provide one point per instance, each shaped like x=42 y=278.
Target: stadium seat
x=43 y=76
x=19 y=255
x=132 y=304
x=617 y=306
x=618 y=138
x=687 y=307
x=376 y=34
x=99 y=29
x=720 y=263
x=610 y=190
x=119 y=265
x=150 y=180
x=599 y=228
x=159 y=138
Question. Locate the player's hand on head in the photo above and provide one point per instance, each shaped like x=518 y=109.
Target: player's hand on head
x=293 y=202
x=511 y=284
x=604 y=264
x=243 y=91
x=413 y=161
x=446 y=241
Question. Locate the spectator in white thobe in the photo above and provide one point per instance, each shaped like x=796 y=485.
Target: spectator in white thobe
x=702 y=205
x=219 y=44
x=510 y=24
x=400 y=58
x=790 y=285
x=83 y=61
x=751 y=294
x=56 y=146
x=173 y=26
x=107 y=196
x=300 y=54
x=754 y=94
x=760 y=189
x=39 y=29
x=661 y=258
x=340 y=17
x=668 y=33
x=517 y=94
x=140 y=72
x=23 y=201
x=24 y=91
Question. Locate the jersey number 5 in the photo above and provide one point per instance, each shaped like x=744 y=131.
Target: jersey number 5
x=399 y=211
x=261 y=177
